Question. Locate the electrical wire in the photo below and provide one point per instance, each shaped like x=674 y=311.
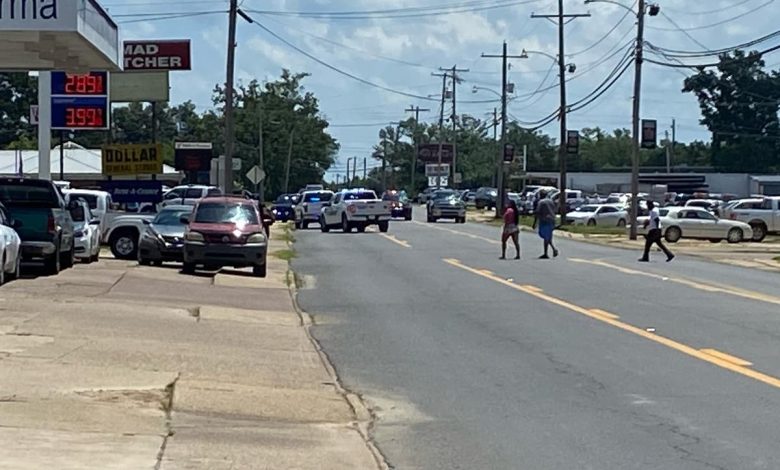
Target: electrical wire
x=719 y=23
x=686 y=33
x=707 y=12
x=713 y=52
x=172 y=17
x=759 y=55
x=608 y=33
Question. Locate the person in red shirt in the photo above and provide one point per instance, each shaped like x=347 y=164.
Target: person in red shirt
x=511 y=229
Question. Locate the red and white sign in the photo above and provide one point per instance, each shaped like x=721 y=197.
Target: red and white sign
x=157 y=55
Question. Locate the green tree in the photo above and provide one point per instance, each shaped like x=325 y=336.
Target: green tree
x=739 y=105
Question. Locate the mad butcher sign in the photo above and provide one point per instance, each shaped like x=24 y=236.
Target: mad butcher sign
x=157 y=55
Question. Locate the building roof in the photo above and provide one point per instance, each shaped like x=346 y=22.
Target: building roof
x=80 y=163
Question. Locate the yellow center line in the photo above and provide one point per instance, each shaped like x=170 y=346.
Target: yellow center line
x=604 y=313
x=746 y=294
x=727 y=357
x=395 y=240
x=715 y=359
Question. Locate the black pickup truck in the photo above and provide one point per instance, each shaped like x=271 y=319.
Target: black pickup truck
x=44 y=222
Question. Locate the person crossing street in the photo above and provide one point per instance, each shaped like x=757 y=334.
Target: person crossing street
x=511 y=229
x=545 y=221
x=655 y=234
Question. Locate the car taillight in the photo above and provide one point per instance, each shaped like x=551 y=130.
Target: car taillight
x=352 y=208
x=51 y=226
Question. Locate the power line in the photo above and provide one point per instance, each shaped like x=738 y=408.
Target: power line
x=172 y=17
x=719 y=23
x=758 y=56
x=707 y=12
x=608 y=33
x=713 y=52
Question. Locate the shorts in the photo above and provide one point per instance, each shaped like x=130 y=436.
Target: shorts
x=511 y=229
x=546 y=230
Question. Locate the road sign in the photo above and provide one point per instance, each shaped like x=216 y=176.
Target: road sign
x=34 y=114
x=429 y=153
x=437 y=170
x=433 y=181
x=132 y=159
x=255 y=175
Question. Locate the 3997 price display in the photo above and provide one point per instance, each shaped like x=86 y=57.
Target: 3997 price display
x=79 y=113
x=84 y=117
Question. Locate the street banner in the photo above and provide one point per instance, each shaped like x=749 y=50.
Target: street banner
x=429 y=153
x=157 y=55
x=649 y=133
x=128 y=192
x=132 y=159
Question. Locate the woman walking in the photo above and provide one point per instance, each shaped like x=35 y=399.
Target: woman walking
x=511 y=229
x=545 y=220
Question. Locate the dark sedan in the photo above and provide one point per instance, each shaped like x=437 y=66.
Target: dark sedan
x=163 y=239
x=283 y=207
x=401 y=205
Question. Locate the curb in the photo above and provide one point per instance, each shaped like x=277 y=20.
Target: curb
x=365 y=418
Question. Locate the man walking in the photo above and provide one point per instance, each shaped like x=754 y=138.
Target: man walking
x=654 y=235
x=545 y=221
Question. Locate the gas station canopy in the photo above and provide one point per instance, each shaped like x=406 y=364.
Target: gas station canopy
x=69 y=35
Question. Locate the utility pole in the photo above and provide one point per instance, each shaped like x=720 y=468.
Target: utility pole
x=635 y=118
x=229 y=134
x=674 y=138
x=454 y=74
x=365 y=170
x=441 y=122
x=349 y=160
x=354 y=168
x=261 y=186
x=416 y=110
x=500 y=157
x=561 y=20
x=384 y=162
x=495 y=138
x=668 y=149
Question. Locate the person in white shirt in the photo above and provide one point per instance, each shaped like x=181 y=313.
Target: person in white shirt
x=655 y=234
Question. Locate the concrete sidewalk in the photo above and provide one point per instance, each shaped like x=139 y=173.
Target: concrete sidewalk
x=116 y=366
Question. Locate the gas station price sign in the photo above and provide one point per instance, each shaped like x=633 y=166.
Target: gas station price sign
x=79 y=101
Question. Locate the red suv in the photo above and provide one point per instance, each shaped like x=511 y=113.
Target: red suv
x=225 y=231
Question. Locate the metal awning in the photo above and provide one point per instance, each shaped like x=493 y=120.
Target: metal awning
x=70 y=35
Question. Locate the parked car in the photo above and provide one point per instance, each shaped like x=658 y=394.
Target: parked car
x=163 y=239
x=712 y=205
x=486 y=198
x=445 y=204
x=86 y=230
x=123 y=234
x=763 y=219
x=314 y=187
x=401 y=206
x=310 y=207
x=10 y=247
x=43 y=222
x=598 y=214
x=697 y=223
x=189 y=195
x=225 y=231
x=469 y=197
x=100 y=204
x=283 y=207
x=355 y=208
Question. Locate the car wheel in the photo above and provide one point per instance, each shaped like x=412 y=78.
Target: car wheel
x=17 y=269
x=323 y=226
x=759 y=231
x=735 y=235
x=2 y=271
x=157 y=263
x=124 y=244
x=144 y=262
x=345 y=226
x=715 y=241
x=621 y=223
x=591 y=223
x=96 y=257
x=384 y=226
x=52 y=265
x=673 y=234
x=305 y=224
x=188 y=268
x=69 y=259
x=408 y=216
x=259 y=271
x=361 y=228
x=463 y=220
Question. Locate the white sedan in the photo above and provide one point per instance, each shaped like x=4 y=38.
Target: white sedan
x=698 y=223
x=86 y=232
x=9 y=247
x=605 y=215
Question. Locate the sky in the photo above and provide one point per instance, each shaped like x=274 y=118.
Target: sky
x=400 y=54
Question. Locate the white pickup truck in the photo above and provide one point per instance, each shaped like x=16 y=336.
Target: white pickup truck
x=763 y=218
x=355 y=208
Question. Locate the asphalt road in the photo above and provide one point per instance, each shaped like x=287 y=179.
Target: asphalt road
x=588 y=361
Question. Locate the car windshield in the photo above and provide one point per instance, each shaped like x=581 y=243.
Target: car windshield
x=91 y=199
x=78 y=214
x=444 y=195
x=588 y=209
x=225 y=213
x=317 y=197
x=284 y=199
x=395 y=197
x=359 y=195
x=170 y=217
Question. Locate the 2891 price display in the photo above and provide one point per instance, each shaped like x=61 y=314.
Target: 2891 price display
x=68 y=84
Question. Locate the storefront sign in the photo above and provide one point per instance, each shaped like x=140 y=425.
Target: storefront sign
x=132 y=159
x=157 y=55
x=128 y=192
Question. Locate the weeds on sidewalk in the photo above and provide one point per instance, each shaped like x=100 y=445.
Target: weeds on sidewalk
x=285 y=255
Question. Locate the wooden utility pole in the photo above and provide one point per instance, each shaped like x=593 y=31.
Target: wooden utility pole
x=229 y=133
x=289 y=161
x=441 y=122
x=500 y=157
x=454 y=118
x=416 y=110
x=635 y=117
x=561 y=20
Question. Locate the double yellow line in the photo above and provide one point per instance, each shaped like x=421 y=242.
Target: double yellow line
x=712 y=356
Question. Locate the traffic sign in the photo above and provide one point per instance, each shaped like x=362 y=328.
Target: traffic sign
x=444 y=181
x=256 y=175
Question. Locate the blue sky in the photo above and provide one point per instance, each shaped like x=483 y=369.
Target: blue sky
x=401 y=53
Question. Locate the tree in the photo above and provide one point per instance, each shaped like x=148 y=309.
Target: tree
x=17 y=92
x=739 y=105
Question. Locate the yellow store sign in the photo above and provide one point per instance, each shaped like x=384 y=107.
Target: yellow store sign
x=132 y=159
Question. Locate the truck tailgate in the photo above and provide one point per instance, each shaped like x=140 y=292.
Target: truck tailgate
x=371 y=207
x=35 y=223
